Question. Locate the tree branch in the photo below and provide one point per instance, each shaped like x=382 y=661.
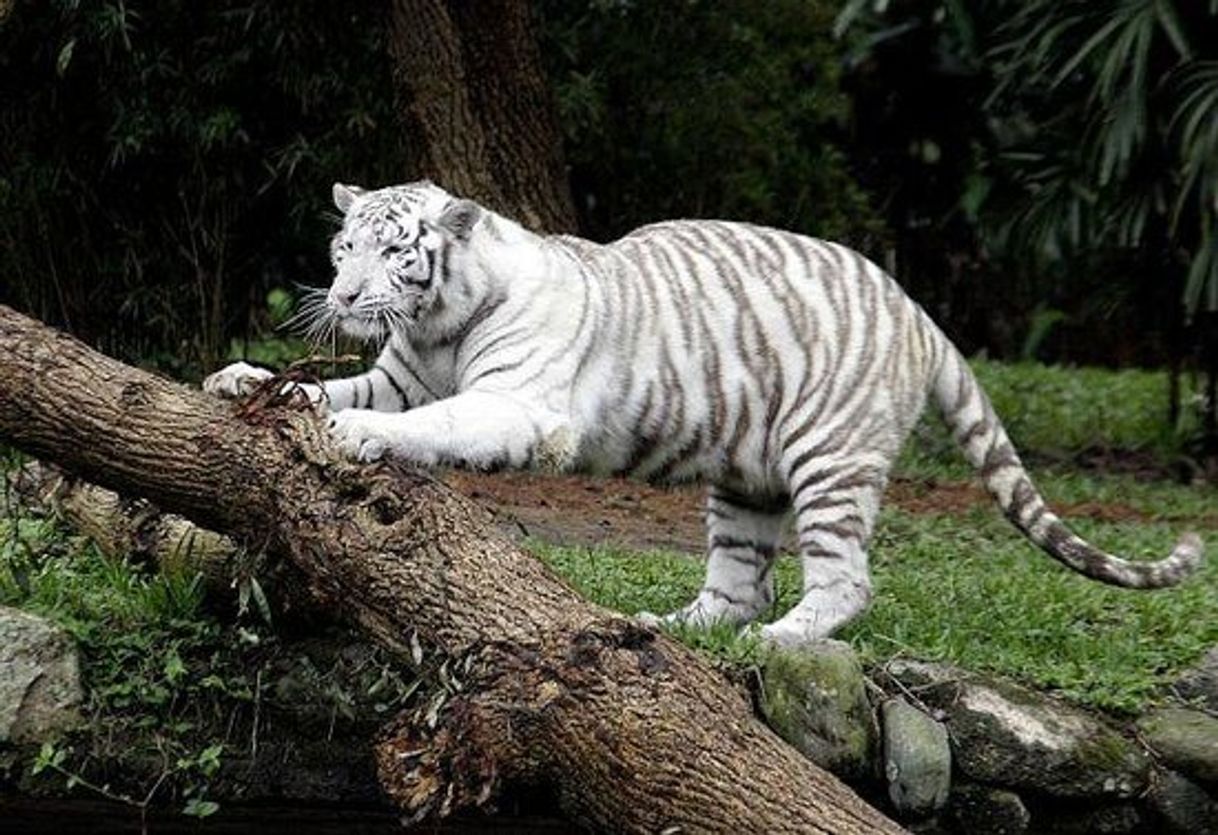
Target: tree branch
x=637 y=731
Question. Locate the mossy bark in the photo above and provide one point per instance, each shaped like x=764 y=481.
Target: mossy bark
x=638 y=733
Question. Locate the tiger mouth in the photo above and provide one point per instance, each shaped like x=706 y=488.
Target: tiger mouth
x=373 y=324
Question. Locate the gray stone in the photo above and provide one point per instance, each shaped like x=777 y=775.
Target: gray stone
x=1200 y=684
x=1185 y=807
x=1008 y=735
x=984 y=810
x=937 y=825
x=40 y=692
x=815 y=698
x=917 y=759
x=1186 y=740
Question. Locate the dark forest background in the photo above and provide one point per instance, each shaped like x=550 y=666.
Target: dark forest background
x=1041 y=174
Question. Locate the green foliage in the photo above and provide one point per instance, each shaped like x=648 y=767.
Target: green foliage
x=272 y=349
x=1109 y=112
x=1085 y=140
x=700 y=109
x=149 y=656
x=165 y=166
x=171 y=691
x=178 y=688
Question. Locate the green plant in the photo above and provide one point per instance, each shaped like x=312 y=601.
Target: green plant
x=180 y=683
x=1083 y=143
x=197 y=768
x=701 y=109
x=165 y=166
x=1107 y=116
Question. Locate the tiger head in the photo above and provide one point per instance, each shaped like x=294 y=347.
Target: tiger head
x=392 y=257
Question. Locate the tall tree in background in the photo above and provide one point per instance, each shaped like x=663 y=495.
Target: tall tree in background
x=478 y=107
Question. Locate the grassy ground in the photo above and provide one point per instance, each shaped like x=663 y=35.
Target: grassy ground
x=175 y=690
x=156 y=668
x=1051 y=409
x=967 y=589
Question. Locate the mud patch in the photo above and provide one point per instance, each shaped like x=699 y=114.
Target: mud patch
x=614 y=512
x=578 y=510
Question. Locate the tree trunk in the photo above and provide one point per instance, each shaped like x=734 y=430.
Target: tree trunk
x=476 y=102
x=636 y=731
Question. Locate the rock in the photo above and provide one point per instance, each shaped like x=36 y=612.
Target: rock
x=1008 y=735
x=814 y=697
x=1186 y=740
x=1118 y=819
x=984 y=810
x=1186 y=808
x=1200 y=684
x=917 y=759
x=1115 y=820
x=40 y=692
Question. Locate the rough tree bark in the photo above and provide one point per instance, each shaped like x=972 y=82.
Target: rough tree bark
x=478 y=109
x=636 y=731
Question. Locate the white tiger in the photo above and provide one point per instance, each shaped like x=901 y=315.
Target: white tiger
x=784 y=371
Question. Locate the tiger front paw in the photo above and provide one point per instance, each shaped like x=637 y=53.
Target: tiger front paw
x=236 y=380
x=361 y=434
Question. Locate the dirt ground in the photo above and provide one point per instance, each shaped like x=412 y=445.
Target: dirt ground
x=577 y=510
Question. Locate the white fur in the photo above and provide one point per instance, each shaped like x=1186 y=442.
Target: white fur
x=784 y=371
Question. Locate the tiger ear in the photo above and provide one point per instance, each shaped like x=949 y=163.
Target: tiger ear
x=344 y=196
x=460 y=217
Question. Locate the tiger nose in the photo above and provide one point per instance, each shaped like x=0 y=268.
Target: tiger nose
x=345 y=298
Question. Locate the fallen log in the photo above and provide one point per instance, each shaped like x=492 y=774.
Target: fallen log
x=123 y=527
x=636 y=732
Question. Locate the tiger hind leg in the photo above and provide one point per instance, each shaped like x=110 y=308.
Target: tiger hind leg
x=743 y=534
x=833 y=521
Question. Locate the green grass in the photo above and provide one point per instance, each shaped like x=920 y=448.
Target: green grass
x=145 y=636
x=48 y=572
x=968 y=590
x=1054 y=409
x=1055 y=414
x=156 y=668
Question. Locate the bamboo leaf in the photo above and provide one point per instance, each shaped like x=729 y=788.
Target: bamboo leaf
x=1165 y=10
x=1086 y=49
x=850 y=12
x=1202 y=281
x=65 y=57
